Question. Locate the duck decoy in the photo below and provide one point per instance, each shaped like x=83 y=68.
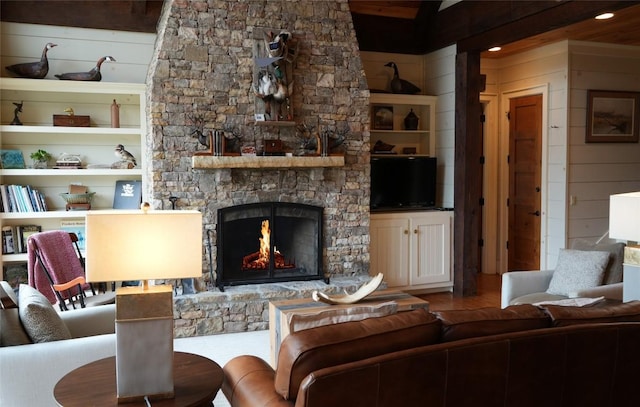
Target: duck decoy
x=92 y=75
x=401 y=85
x=33 y=70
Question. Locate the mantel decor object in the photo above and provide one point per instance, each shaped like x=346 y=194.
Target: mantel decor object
x=142 y=245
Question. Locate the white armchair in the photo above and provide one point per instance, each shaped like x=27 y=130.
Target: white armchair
x=528 y=287
x=520 y=287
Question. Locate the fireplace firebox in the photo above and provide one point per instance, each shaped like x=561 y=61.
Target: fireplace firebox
x=269 y=242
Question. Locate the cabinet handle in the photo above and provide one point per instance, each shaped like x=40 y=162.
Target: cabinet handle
x=415 y=231
x=406 y=232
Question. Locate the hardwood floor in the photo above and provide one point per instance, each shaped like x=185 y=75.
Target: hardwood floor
x=488 y=296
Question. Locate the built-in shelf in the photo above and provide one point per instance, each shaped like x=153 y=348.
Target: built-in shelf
x=206 y=162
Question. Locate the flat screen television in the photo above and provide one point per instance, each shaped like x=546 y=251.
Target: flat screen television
x=403 y=182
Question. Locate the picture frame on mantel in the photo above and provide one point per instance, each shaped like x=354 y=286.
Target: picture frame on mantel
x=612 y=116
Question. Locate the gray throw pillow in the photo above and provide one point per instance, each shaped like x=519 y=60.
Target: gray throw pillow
x=577 y=269
x=39 y=318
x=613 y=272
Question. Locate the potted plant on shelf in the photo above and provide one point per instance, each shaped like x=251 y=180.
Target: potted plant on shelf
x=40 y=158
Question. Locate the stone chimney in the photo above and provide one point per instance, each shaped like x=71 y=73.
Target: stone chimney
x=203 y=68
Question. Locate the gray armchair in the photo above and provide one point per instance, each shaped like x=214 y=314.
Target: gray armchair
x=528 y=287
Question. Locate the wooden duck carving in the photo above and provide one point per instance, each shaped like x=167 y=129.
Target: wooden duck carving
x=33 y=70
x=92 y=75
x=400 y=85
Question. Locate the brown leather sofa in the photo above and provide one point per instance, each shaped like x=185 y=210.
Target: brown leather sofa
x=518 y=356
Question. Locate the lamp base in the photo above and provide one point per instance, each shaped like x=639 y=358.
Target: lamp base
x=144 y=343
x=632 y=255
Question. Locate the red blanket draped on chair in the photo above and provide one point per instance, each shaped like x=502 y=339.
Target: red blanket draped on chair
x=60 y=258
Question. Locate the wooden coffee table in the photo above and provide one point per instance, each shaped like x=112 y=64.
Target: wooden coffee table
x=280 y=311
x=196 y=383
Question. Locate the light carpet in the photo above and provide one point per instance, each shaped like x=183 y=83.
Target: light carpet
x=222 y=348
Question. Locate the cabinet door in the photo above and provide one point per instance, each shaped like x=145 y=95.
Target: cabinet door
x=430 y=249
x=389 y=251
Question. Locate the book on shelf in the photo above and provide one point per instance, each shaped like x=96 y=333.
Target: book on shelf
x=8 y=240
x=127 y=195
x=77 y=227
x=23 y=232
x=21 y=198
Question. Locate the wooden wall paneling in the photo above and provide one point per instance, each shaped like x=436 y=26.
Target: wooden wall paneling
x=79 y=49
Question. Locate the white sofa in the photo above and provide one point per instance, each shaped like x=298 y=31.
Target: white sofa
x=29 y=373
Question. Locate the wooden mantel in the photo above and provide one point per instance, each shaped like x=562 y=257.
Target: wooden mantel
x=208 y=162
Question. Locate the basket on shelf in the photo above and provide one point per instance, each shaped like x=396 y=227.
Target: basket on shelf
x=77 y=198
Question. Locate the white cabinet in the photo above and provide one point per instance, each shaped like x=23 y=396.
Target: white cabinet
x=388 y=112
x=412 y=249
x=95 y=144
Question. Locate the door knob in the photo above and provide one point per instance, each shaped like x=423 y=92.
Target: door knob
x=536 y=213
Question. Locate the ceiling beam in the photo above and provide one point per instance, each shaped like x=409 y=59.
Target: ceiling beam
x=478 y=25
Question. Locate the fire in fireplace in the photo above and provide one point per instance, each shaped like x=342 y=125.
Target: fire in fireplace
x=269 y=242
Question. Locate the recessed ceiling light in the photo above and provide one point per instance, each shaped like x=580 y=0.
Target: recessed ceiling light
x=604 y=16
x=494 y=49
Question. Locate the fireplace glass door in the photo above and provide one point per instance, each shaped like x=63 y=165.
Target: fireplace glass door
x=269 y=242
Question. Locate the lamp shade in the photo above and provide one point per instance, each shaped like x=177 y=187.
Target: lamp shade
x=137 y=245
x=624 y=216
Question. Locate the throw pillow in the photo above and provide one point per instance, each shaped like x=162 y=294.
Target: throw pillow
x=39 y=318
x=576 y=270
x=613 y=272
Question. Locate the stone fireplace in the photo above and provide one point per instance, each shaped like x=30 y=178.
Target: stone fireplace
x=203 y=67
x=269 y=242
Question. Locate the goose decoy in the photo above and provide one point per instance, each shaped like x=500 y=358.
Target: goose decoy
x=400 y=85
x=92 y=75
x=33 y=70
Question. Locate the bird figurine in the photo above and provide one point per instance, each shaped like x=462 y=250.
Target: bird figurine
x=401 y=85
x=33 y=70
x=92 y=75
x=124 y=155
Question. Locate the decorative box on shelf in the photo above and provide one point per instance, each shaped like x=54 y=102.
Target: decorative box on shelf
x=70 y=120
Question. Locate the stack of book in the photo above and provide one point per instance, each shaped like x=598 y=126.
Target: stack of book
x=21 y=198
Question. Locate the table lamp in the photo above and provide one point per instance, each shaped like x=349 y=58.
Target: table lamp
x=143 y=245
x=624 y=224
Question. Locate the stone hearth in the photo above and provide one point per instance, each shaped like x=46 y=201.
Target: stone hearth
x=245 y=307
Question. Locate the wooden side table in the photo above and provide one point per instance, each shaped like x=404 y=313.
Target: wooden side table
x=196 y=383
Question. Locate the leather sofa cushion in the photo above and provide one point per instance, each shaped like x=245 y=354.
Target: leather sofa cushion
x=306 y=351
x=616 y=312
x=461 y=324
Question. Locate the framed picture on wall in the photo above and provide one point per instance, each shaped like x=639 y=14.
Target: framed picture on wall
x=612 y=116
